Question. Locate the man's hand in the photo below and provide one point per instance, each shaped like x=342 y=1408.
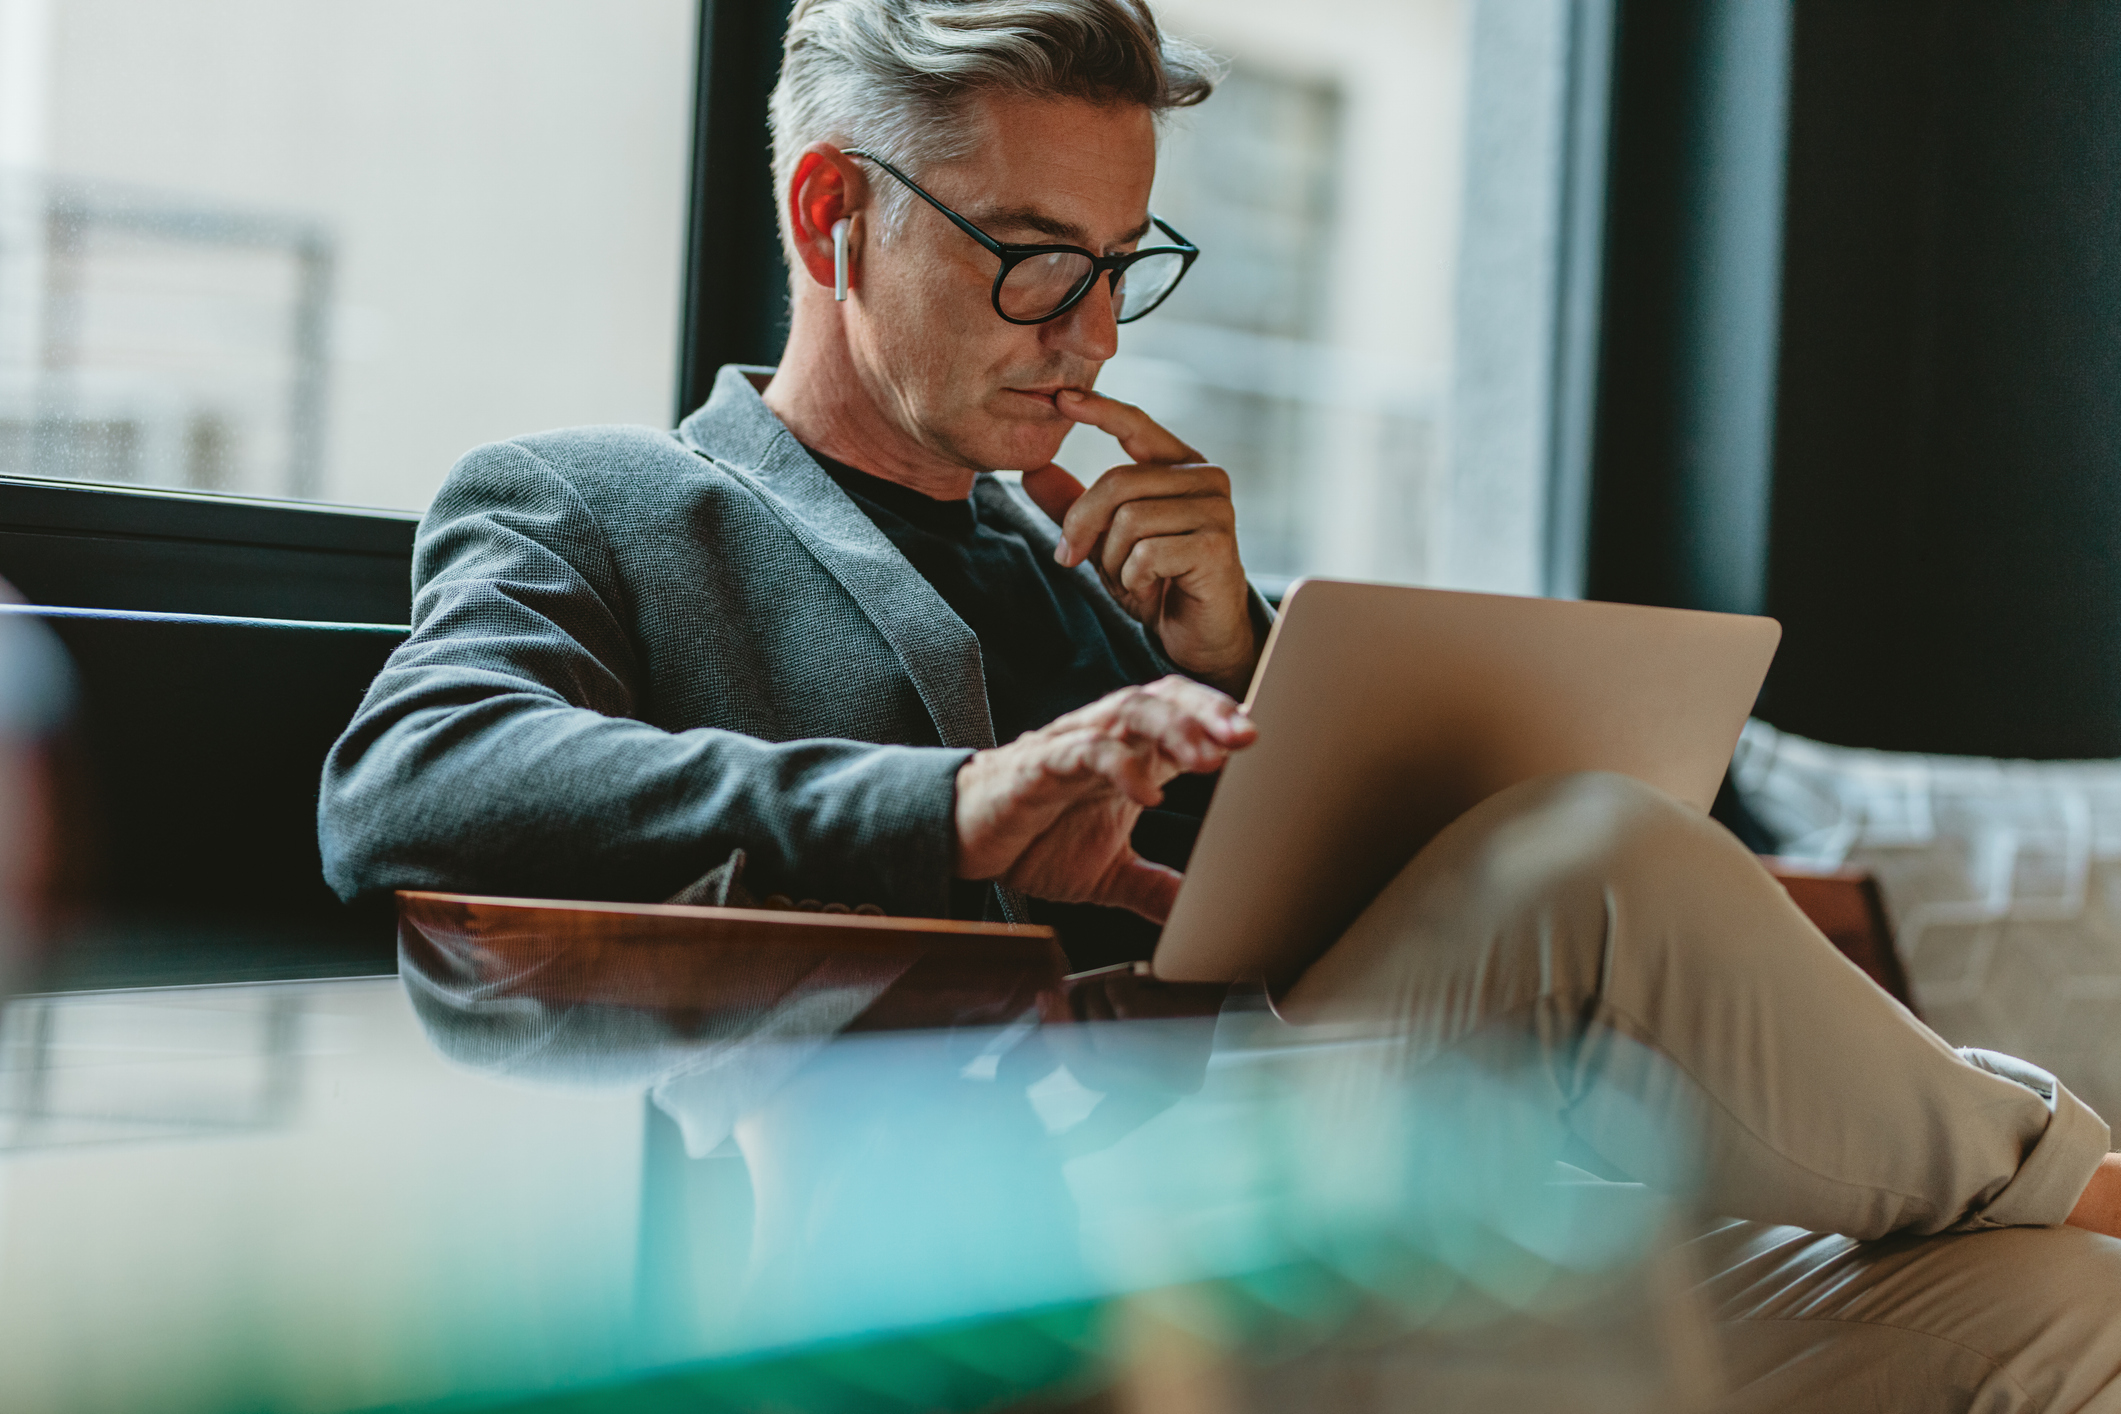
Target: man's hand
x=1163 y=537
x=1051 y=812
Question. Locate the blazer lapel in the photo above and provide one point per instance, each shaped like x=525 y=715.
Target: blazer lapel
x=940 y=654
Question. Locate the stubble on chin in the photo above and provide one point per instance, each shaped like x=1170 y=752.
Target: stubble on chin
x=1028 y=438
x=999 y=432
x=1034 y=433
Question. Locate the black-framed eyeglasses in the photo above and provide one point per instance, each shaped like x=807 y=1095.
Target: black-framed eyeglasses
x=1042 y=282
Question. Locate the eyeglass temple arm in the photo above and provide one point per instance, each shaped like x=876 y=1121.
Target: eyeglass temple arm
x=1172 y=231
x=975 y=232
x=956 y=220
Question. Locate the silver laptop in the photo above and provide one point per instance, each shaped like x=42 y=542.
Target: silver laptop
x=1384 y=713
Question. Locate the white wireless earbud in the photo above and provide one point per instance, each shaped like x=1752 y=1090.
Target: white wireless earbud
x=839 y=259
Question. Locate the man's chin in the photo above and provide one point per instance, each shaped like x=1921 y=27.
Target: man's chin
x=1013 y=444
x=1028 y=450
x=1028 y=433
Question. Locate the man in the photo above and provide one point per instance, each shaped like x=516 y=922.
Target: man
x=810 y=639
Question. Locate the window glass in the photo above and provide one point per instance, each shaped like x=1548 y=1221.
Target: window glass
x=316 y=249
x=1315 y=349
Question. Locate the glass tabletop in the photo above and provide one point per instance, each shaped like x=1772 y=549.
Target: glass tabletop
x=564 y=1166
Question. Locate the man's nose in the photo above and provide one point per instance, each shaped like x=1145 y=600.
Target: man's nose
x=1091 y=329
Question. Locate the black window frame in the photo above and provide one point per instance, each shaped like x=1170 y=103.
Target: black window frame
x=736 y=278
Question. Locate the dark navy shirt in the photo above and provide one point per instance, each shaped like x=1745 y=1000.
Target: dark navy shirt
x=1044 y=653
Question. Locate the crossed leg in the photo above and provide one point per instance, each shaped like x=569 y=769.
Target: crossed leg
x=1655 y=968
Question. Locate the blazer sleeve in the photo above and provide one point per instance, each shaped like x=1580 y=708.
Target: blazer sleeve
x=497 y=751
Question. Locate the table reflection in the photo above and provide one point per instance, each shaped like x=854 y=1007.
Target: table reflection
x=626 y=1158
x=938 y=1126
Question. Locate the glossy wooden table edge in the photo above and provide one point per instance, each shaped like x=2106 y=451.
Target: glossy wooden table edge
x=409 y=900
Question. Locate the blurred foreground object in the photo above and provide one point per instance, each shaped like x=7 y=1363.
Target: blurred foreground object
x=317 y=1211
x=34 y=690
x=931 y=1173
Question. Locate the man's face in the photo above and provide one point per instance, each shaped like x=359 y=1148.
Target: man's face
x=966 y=384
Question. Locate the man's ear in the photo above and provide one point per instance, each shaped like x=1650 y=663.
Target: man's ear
x=826 y=188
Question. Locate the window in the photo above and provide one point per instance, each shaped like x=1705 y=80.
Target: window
x=1370 y=339
x=293 y=248
x=299 y=248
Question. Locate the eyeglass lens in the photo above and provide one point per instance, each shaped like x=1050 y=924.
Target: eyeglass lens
x=1145 y=282
x=1038 y=286
x=1042 y=284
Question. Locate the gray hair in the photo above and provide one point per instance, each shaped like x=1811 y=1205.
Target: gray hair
x=893 y=77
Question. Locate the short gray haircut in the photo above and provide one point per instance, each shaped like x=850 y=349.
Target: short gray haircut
x=894 y=77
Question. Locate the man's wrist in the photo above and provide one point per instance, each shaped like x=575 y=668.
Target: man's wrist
x=970 y=803
x=1232 y=675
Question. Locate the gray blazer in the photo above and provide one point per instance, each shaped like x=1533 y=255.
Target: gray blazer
x=634 y=651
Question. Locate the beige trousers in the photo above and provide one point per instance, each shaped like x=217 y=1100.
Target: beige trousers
x=1892 y=1241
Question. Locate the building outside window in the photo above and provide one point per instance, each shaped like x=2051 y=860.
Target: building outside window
x=1369 y=341
x=1309 y=349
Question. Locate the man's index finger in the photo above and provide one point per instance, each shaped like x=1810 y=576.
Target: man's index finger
x=1141 y=436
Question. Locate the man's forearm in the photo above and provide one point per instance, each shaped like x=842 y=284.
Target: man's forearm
x=516 y=797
